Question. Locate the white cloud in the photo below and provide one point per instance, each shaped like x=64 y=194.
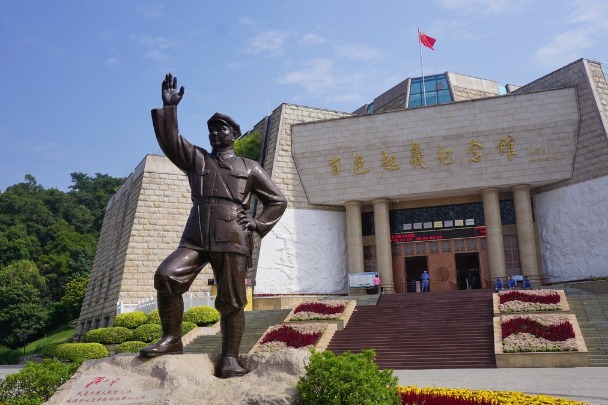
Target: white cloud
x=152 y=12
x=585 y=24
x=157 y=46
x=311 y=40
x=358 y=52
x=320 y=78
x=491 y=7
x=112 y=62
x=267 y=42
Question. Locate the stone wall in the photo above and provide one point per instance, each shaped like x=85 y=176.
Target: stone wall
x=284 y=171
x=142 y=225
x=395 y=154
x=592 y=91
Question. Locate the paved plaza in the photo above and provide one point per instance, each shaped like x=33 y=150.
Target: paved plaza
x=585 y=384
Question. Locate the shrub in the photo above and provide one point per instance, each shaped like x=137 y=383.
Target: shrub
x=348 y=379
x=35 y=383
x=79 y=352
x=49 y=351
x=187 y=327
x=108 y=336
x=130 y=347
x=202 y=315
x=130 y=320
x=8 y=355
x=149 y=332
x=154 y=317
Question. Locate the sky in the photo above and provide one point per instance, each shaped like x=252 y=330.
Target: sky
x=80 y=76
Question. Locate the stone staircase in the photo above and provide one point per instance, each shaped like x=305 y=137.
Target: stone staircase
x=256 y=323
x=424 y=330
x=589 y=302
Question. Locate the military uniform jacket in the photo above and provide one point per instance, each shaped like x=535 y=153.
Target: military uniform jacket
x=219 y=191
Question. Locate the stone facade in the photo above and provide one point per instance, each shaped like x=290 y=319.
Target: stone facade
x=546 y=120
x=142 y=225
x=408 y=158
x=592 y=93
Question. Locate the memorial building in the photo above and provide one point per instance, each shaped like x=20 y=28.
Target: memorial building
x=462 y=177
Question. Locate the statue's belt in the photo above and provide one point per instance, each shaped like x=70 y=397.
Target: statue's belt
x=216 y=200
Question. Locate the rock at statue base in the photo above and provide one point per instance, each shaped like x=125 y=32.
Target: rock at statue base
x=185 y=379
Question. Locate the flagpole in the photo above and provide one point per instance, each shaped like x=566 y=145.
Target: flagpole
x=422 y=68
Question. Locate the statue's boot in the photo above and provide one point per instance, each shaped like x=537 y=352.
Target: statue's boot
x=233 y=327
x=171 y=311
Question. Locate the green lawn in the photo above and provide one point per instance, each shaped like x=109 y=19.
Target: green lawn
x=59 y=335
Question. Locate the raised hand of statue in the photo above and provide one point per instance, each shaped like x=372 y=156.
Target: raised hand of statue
x=171 y=96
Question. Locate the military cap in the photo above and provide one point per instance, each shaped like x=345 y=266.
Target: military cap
x=226 y=120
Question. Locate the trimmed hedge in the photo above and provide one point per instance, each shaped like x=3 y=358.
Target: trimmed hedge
x=36 y=382
x=108 y=336
x=130 y=320
x=187 y=327
x=347 y=379
x=130 y=347
x=154 y=317
x=49 y=351
x=79 y=352
x=149 y=332
x=9 y=356
x=202 y=315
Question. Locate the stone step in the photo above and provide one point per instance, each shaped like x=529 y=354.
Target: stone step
x=256 y=323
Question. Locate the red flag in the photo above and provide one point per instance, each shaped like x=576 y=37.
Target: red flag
x=426 y=40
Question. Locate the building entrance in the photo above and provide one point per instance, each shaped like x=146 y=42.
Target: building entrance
x=468 y=275
x=414 y=266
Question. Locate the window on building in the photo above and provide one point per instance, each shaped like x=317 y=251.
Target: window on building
x=370 y=108
x=435 y=91
x=367 y=223
x=507 y=212
x=457 y=215
x=511 y=248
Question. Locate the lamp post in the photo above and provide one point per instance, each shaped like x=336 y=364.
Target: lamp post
x=23 y=336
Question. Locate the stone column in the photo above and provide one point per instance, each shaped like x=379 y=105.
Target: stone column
x=354 y=236
x=525 y=230
x=384 y=258
x=496 y=250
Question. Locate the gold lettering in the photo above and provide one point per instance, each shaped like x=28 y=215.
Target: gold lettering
x=389 y=162
x=507 y=145
x=417 y=155
x=473 y=150
x=445 y=155
x=335 y=166
x=360 y=167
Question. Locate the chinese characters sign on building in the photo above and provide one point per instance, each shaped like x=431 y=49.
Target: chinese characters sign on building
x=472 y=151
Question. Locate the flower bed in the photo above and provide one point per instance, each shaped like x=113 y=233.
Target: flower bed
x=337 y=312
x=537 y=338
x=317 y=310
x=295 y=335
x=463 y=396
x=530 y=301
x=537 y=333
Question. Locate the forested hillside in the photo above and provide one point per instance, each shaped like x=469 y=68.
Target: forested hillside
x=47 y=244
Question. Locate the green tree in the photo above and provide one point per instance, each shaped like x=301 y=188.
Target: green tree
x=74 y=294
x=23 y=303
x=94 y=193
x=249 y=146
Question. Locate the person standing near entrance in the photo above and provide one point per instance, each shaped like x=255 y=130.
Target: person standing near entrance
x=425 y=281
x=511 y=283
x=377 y=284
x=498 y=285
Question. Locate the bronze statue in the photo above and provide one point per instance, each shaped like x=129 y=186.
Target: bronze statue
x=218 y=228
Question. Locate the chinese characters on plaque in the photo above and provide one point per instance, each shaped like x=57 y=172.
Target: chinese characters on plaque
x=474 y=152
